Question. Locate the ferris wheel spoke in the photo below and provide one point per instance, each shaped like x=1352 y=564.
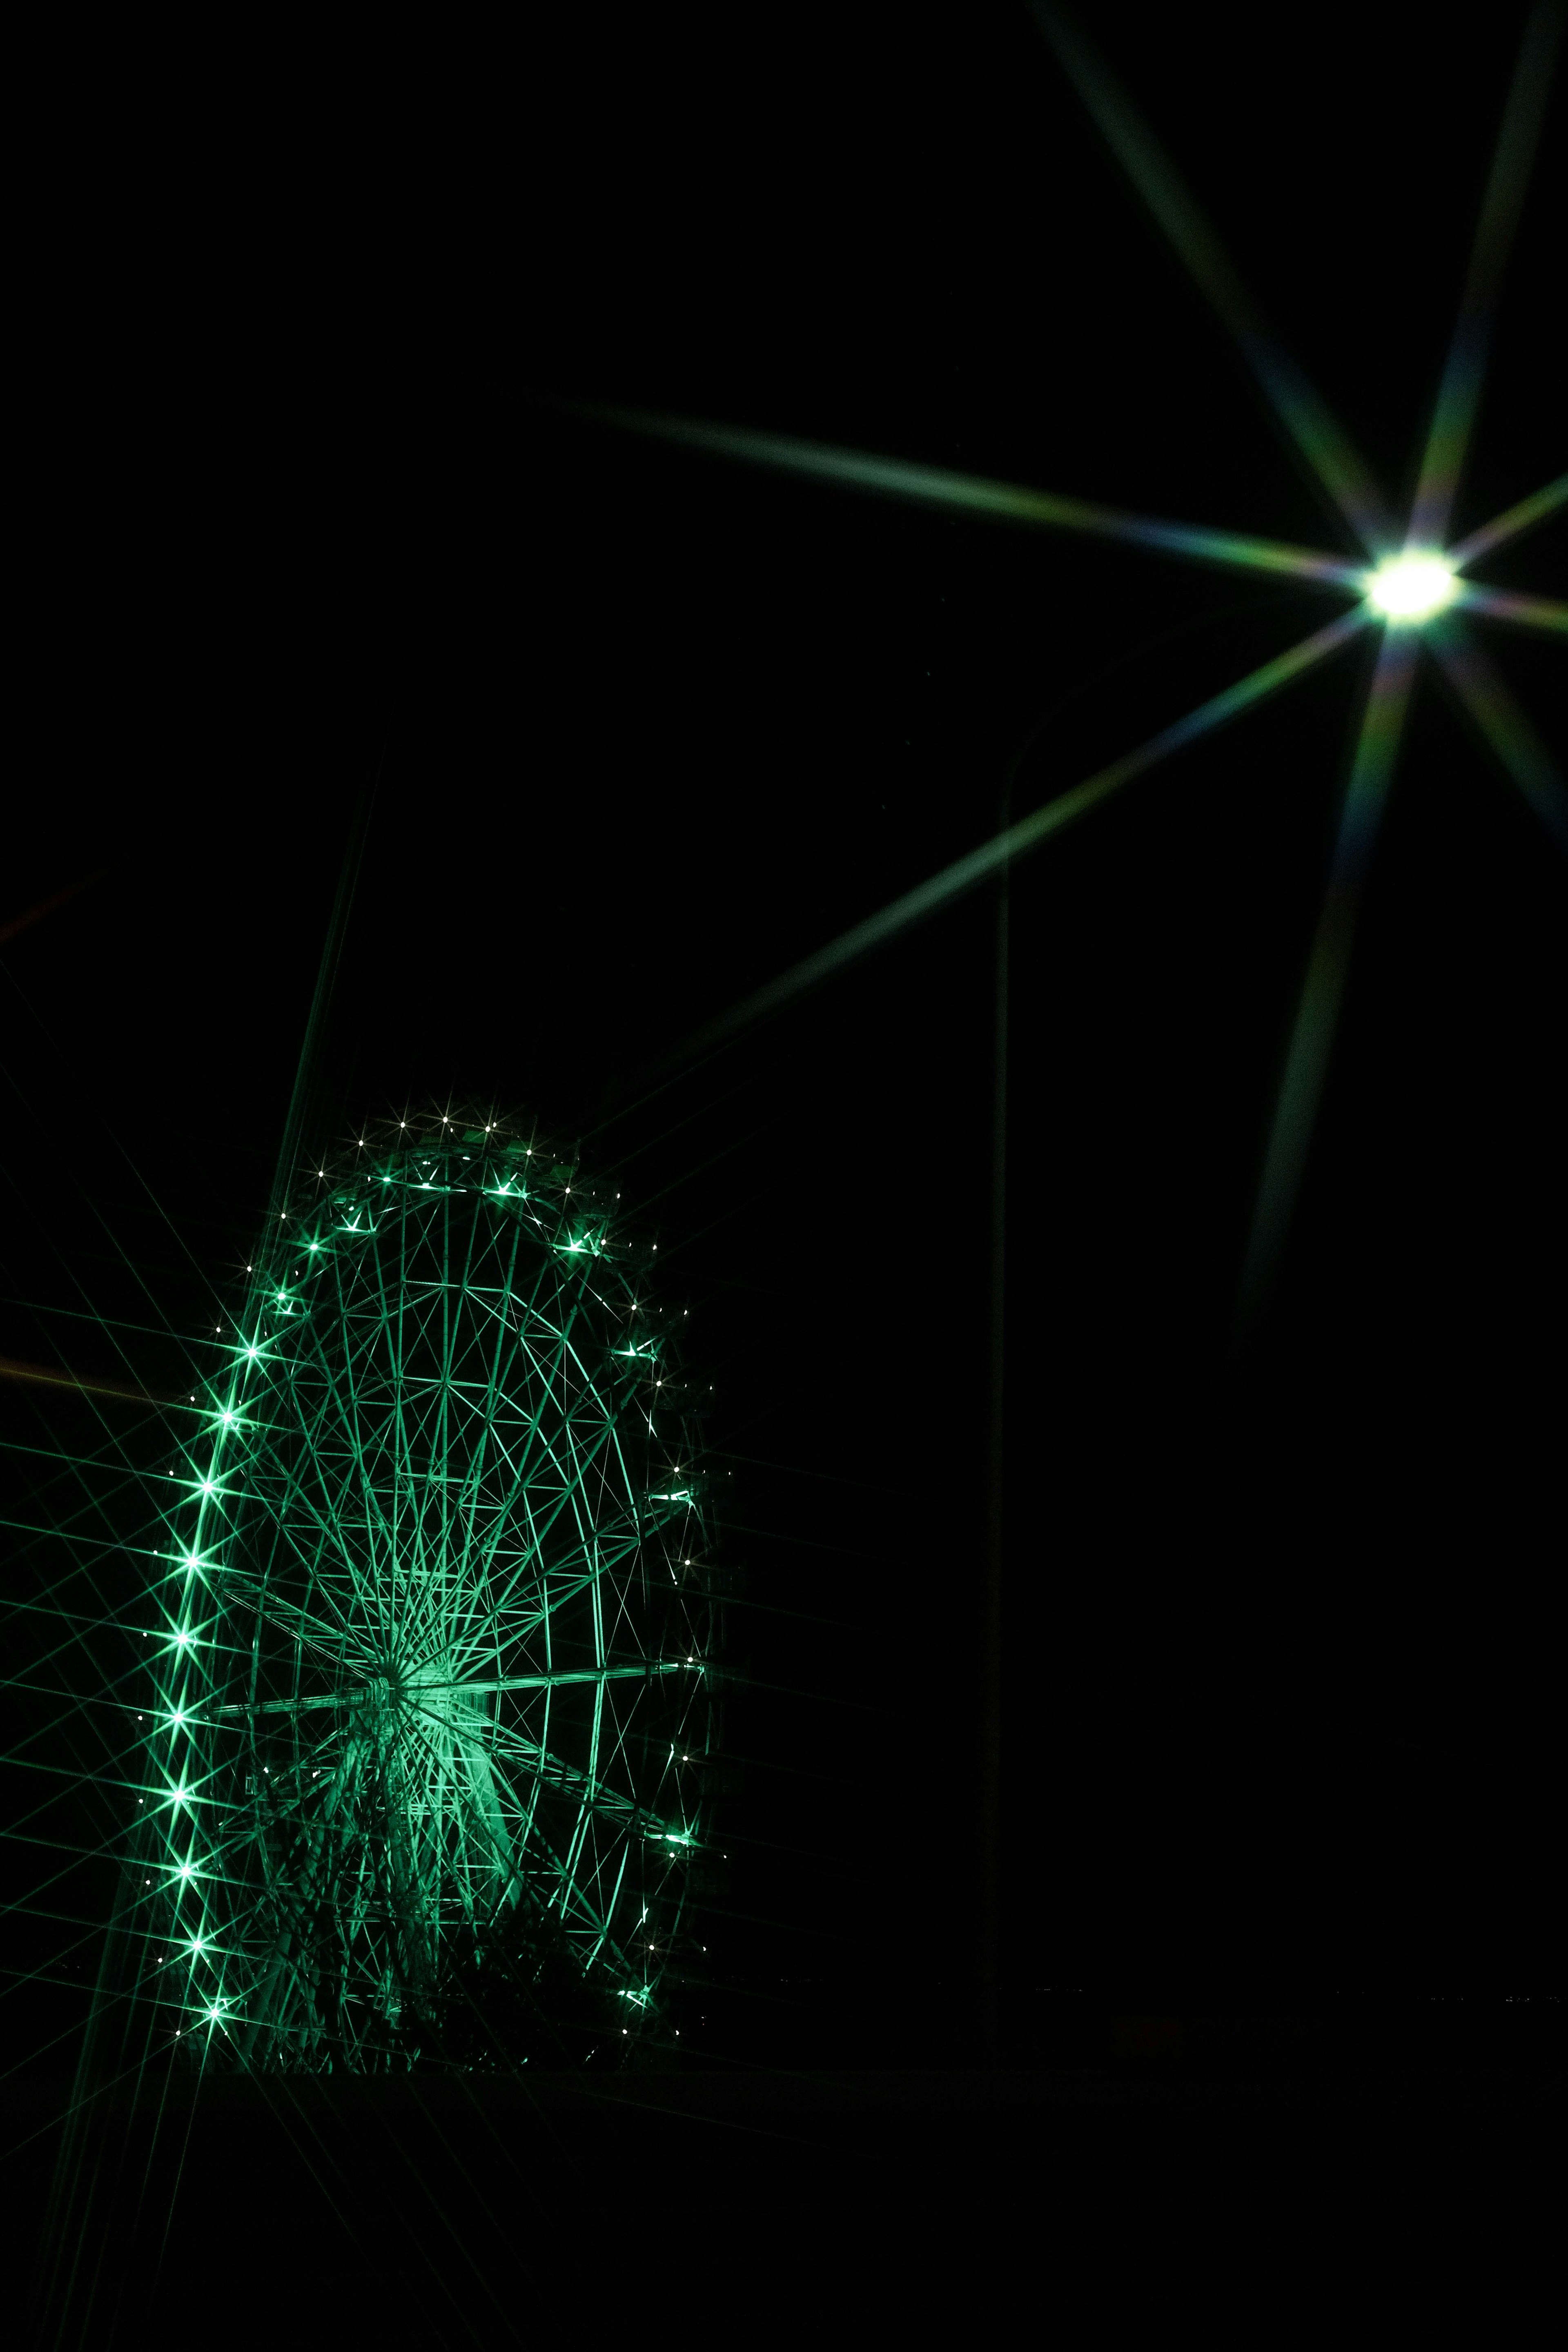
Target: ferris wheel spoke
x=539 y=1531
x=561 y=1677
x=375 y=1522
x=521 y=1754
x=586 y=1812
x=477 y=1802
x=434 y=1587
x=327 y=1643
x=280 y=1991
x=295 y=1498
x=592 y=1790
x=437 y=1585
x=432 y=1768
x=645 y=1670
x=545 y=1377
x=487 y=1416
x=296 y=1901
x=272 y=1607
x=567 y=1896
x=337 y=1567
x=623 y=1815
x=391 y=1313
x=423 y=1413
x=456 y=1553
x=609 y=1557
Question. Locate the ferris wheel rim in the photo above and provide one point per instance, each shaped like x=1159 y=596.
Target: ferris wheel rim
x=467 y=1732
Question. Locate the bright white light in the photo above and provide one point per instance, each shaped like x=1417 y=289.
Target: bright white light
x=1413 y=586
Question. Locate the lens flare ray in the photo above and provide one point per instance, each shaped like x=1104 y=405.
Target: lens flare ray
x=47 y=1376
x=966 y=873
x=1306 y=1063
x=1322 y=442
x=1511 y=523
x=1459 y=390
x=1503 y=605
x=897 y=477
x=31 y=915
x=1503 y=725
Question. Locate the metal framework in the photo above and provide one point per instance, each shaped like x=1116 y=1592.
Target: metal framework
x=431 y=1682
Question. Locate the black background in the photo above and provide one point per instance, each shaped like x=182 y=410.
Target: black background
x=1281 y=1712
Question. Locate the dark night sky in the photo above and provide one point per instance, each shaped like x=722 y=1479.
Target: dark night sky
x=649 y=727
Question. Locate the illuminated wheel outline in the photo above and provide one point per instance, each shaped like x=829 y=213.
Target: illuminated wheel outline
x=434 y=1685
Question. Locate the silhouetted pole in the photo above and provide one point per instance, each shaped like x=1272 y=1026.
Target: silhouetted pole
x=988 y=1826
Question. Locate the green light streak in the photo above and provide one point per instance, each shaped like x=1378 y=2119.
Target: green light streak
x=1511 y=523
x=968 y=872
x=996 y=502
x=1306 y=1061
x=1321 y=441
x=1503 y=725
x=1503 y=605
x=48 y=1376
x=338 y=1699
x=1459 y=392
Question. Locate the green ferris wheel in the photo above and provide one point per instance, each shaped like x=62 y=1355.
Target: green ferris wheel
x=432 y=1693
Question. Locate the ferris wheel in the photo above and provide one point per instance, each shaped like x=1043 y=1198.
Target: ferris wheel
x=432 y=1693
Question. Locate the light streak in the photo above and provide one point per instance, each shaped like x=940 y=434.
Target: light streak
x=975 y=494
x=45 y=1376
x=1459 y=390
x=1316 y=433
x=966 y=873
x=1383 y=722
x=1414 y=584
x=1503 y=725
x=1503 y=605
x=1510 y=523
x=32 y=914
